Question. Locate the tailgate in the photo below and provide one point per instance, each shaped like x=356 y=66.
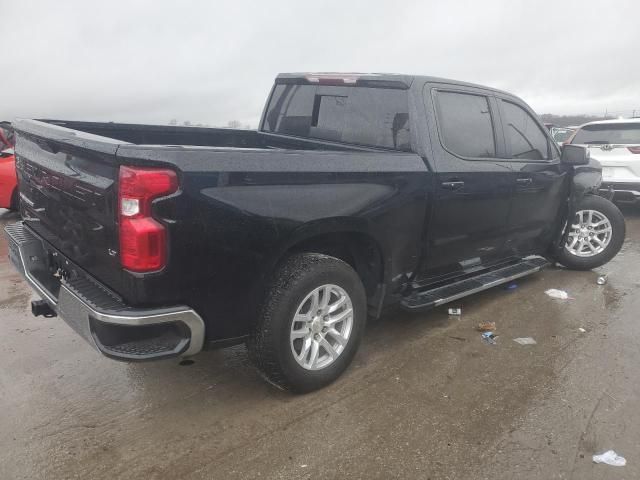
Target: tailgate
x=67 y=189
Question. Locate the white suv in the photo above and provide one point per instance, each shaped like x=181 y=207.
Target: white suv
x=616 y=145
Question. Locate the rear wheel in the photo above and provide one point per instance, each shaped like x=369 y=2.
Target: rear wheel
x=596 y=234
x=311 y=323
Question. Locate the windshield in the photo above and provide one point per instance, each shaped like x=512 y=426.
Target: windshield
x=603 y=133
x=561 y=134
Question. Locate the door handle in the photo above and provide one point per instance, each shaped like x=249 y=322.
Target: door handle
x=524 y=181
x=453 y=185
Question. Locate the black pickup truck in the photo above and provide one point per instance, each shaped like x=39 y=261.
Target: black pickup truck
x=357 y=191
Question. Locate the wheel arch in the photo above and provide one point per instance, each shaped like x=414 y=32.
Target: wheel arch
x=350 y=241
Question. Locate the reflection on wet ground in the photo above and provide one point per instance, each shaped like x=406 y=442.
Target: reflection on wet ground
x=425 y=397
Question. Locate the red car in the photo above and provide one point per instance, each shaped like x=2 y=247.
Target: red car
x=8 y=180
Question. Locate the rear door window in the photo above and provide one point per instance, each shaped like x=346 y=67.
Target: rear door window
x=525 y=138
x=465 y=124
x=376 y=117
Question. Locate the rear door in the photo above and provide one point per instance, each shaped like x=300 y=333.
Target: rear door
x=468 y=227
x=540 y=187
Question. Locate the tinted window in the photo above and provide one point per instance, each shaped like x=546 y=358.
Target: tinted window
x=365 y=116
x=465 y=124
x=525 y=139
x=290 y=110
x=608 y=133
x=560 y=134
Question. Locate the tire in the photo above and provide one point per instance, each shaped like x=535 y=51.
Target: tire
x=14 y=206
x=604 y=209
x=271 y=345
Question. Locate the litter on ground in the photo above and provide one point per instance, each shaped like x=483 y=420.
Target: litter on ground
x=511 y=286
x=455 y=311
x=602 y=280
x=610 y=458
x=489 y=337
x=525 y=341
x=582 y=330
x=559 y=294
x=486 y=326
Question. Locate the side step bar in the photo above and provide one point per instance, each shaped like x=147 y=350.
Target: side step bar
x=432 y=298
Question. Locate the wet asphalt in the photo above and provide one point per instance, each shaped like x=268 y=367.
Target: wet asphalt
x=425 y=397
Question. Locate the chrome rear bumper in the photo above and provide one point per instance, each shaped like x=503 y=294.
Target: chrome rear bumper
x=98 y=314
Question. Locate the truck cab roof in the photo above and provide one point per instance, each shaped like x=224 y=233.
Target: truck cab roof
x=373 y=79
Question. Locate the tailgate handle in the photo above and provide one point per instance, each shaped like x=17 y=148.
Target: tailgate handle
x=524 y=181
x=48 y=145
x=456 y=185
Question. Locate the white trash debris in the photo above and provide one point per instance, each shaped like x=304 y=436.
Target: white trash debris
x=582 y=330
x=489 y=338
x=559 y=294
x=525 y=341
x=602 y=280
x=610 y=458
x=455 y=311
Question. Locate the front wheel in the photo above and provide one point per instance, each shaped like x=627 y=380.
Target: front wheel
x=312 y=319
x=595 y=236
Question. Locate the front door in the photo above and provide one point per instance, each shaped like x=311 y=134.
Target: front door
x=469 y=222
x=540 y=180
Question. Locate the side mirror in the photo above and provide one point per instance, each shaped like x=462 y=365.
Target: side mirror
x=575 y=155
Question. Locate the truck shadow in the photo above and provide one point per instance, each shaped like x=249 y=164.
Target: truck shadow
x=7 y=216
x=630 y=211
x=229 y=373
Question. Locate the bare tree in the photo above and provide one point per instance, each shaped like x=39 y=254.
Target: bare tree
x=173 y=122
x=234 y=124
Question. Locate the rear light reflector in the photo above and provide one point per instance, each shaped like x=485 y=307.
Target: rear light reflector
x=635 y=150
x=143 y=244
x=143 y=240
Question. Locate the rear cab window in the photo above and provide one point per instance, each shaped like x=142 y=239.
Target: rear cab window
x=465 y=124
x=368 y=116
x=608 y=133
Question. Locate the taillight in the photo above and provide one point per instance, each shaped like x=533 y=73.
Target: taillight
x=634 y=149
x=331 y=79
x=143 y=240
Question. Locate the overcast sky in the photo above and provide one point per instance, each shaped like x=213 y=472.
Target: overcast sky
x=212 y=61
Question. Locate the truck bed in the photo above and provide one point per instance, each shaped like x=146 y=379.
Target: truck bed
x=243 y=197
x=140 y=134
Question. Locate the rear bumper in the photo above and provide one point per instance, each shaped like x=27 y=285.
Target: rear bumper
x=622 y=191
x=97 y=314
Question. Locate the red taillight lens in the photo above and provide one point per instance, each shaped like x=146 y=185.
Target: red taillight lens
x=143 y=240
x=634 y=150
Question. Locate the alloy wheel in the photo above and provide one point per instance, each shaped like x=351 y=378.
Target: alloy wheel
x=321 y=327
x=590 y=234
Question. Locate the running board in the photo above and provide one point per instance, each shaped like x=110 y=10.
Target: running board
x=432 y=298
